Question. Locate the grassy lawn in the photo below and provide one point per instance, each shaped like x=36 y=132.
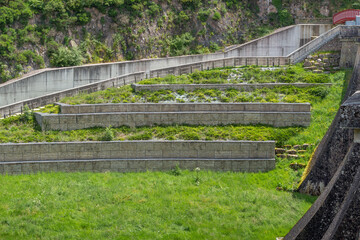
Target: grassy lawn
x=161 y=205
x=149 y=205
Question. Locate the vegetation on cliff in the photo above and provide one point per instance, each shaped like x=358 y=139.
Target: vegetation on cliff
x=38 y=33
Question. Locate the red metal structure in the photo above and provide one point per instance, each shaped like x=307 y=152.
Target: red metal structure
x=346 y=15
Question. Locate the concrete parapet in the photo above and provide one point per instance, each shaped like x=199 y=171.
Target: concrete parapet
x=66 y=122
x=240 y=86
x=219 y=63
x=183 y=107
x=130 y=156
x=56 y=96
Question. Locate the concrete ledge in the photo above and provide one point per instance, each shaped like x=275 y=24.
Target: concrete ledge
x=182 y=107
x=137 y=156
x=350 y=112
x=66 y=122
x=241 y=86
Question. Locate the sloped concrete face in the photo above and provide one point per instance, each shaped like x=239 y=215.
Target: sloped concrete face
x=333 y=147
x=336 y=213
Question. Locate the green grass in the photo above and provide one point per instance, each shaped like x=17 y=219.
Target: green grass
x=245 y=74
x=149 y=205
x=250 y=74
x=125 y=94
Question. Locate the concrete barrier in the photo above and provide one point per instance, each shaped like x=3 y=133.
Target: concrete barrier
x=132 y=156
x=240 y=86
x=54 y=97
x=183 y=107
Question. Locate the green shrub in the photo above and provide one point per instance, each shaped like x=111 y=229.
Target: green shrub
x=182 y=17
x=190 y=136
x=84 y=18
x=108 y=135
x=27 y=116
x=216 y=16
x=321 y=92
x=179 y=45
x=203 y=15
x=65 y=57
x=142 y=136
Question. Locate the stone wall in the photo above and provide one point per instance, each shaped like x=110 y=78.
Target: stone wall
x=130 y=156
x=241 y=86
x=333 y=45
x=321 y=62
x=66 y=122
x=183 y=107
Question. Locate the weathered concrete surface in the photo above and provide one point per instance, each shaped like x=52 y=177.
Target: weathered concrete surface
x=183 y=107
x=56 y=96
x=336 y=213
x=150 y=114
x=301 y=53
x=280 y=43
x=349 y=37
x=332 y=148
x=67 y=122
x=350 y=112
x=130 y=156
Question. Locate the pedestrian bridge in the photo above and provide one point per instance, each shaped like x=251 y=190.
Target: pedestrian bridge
x=346 y=15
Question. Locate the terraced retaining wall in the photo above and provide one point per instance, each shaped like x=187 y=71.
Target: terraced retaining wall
x=132 y=156
x=181 y=107
x=240 y=86
x=66 y=122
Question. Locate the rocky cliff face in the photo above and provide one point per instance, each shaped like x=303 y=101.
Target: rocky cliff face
x=39 y=33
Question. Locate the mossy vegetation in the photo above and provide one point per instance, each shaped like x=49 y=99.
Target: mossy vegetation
x=245 y=74
x=252 y=74
x=38 y=33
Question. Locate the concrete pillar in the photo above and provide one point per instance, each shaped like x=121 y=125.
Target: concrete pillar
x=349 y=49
